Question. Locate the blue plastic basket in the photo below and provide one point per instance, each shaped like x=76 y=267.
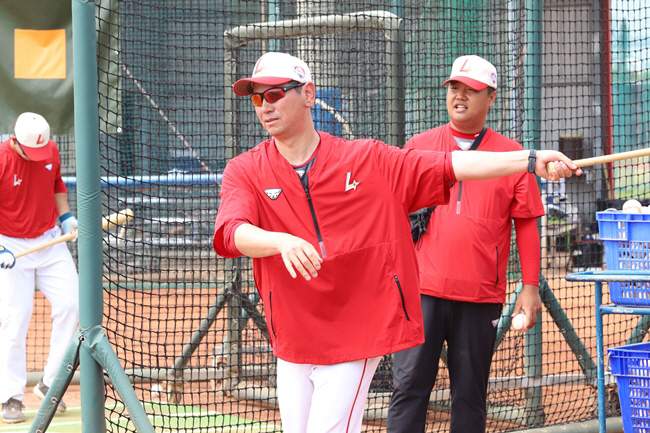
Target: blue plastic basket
x=626 y=238
x=631 y=366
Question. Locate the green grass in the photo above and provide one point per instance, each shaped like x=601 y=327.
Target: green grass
x=68 y=422
x=164 y=417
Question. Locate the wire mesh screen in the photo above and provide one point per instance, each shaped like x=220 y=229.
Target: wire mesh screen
x=187 y=325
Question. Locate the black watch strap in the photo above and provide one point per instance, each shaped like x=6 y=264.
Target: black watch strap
x=532 y=158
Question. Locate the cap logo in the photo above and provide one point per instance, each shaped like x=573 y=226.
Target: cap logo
x=464 y=68
x=39 y=140
x=493 y=77
x=299 y=71
x=259 y=67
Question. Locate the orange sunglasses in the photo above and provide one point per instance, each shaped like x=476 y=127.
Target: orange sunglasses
x=274 y=94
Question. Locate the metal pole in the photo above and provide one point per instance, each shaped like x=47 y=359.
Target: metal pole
x=97 y=353
x=532 y=138
x=608 y=100
x=563 y=323
x=89 y=205
x=602 y=416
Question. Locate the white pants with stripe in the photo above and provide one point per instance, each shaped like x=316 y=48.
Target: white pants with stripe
x=324 y=398
x=53 y=271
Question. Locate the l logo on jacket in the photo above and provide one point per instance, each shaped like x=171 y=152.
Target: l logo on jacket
x=348 y=185
x=273 y=193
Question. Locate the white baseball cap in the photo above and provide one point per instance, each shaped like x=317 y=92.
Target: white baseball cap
x=273 y=69
x=474 y=71
x=33 y=135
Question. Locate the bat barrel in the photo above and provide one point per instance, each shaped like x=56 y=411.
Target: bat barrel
x=117 y=218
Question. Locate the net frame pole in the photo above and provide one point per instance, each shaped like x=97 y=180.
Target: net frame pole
x=533 y=351
x=608 y=97
x=88 y=205
x=387 y=22
x=175 y=378
x=97 y=353
x=562 y=322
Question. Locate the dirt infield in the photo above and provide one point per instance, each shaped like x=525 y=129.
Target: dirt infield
x=150 y=328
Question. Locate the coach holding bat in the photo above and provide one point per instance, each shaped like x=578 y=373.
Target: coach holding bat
x=463 y=259
x=32 y=196
x=326 y=223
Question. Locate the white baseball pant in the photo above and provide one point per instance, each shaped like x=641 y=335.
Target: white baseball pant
x=53 y=271
x=324 y=398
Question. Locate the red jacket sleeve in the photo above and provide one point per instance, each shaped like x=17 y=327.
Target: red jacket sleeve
x=237 y=206
x=526 y=207
x=417 y=177
x=527 y=201
x=528 y=244
x=450 y=174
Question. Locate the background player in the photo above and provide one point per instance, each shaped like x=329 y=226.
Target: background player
x=32 y=195
x=335 y=212
x=463 y=259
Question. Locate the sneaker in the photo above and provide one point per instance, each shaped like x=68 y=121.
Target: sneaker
x=41 y=391
x=12 y=411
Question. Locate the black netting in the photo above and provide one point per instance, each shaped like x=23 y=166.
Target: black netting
x=187 y=325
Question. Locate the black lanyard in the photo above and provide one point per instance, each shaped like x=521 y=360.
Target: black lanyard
x=478 y=139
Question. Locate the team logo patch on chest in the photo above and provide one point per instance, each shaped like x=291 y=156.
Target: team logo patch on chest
x=273 y=193
x=350 y=185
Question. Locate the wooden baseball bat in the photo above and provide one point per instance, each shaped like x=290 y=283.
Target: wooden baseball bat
x=117 y=218
x=114 y=219
x=605 y=158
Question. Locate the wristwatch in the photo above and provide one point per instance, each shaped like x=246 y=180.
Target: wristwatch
x=532 y=158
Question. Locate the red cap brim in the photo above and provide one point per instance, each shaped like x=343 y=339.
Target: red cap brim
x=38 y=153
x=474 y=84
x=244 y=87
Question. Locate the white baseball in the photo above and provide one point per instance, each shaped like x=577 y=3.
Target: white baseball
x=519 y=321
x=156 y=391
x=632 y=206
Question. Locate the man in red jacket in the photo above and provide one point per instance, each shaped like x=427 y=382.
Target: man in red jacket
x=463 y=258
x=326 y=223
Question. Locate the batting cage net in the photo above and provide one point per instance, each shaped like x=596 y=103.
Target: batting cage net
x=187 y=325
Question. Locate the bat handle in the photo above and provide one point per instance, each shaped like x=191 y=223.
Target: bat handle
x=550 y=167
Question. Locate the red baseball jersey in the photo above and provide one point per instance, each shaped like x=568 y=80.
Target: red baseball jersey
x=27 y=188
x=464 y=255
x=365 y=301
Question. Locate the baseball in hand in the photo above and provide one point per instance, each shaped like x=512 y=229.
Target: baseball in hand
x=632 y=206
x=519 y=321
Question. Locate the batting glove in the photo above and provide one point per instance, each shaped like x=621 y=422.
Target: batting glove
x=68 y=223
x=7 y=259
